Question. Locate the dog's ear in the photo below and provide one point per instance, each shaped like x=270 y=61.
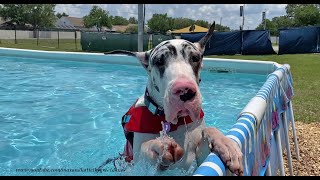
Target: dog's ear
x=203 y=41
x=142 y=56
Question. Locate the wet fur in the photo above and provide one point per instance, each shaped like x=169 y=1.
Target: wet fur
x=166 y=62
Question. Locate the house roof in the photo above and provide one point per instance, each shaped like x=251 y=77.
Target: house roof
x=9 y=24
x=119 y=28
x=187 y=29
x=122 y=28
x=62 y=26
x=75 y=21
x=2 y=20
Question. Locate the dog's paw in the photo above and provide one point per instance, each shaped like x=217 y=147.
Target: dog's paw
x=164 y=151
x=227 y=149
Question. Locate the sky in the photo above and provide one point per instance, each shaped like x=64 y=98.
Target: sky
x=228 y=14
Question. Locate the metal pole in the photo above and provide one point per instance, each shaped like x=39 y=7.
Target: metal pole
x=58 y=38
x=144 y=15
x=15 y=34
x=296 y=145
x=220 y=24
x=268 y=171
x=75 y=39
x=318 y=44
x=243 y=18
x=265 y=19
x=242 y=28
x=38 y=34
x=278 y=142
x=286 y=136
x=140 y=27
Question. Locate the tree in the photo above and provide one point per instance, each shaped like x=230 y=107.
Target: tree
x=222 y=28
x=41 y=15
x=308 y=15
x=160 y=23
x=202 y=23
x=133 y=20
x=282 y=22
x=97 y=17
x=16 y=13
x=291 y=8
x=38 y=15
x=269 y=26
x=179 y=23
x=304 y=14
x=132 y=29
x=297 y=15
x=118 y=20
x=59 y=15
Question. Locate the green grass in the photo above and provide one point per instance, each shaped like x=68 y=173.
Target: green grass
x=305 y=70
x=43 y=44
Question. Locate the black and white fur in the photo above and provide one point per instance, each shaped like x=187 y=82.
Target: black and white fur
x=165 y=63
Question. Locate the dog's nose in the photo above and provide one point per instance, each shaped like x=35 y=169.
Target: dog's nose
x=188 y=95
x=184 y=90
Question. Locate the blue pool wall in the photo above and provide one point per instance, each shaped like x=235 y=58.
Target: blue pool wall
x=260 y=137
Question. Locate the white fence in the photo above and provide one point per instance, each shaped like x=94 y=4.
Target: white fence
x=20 y=34
x=274 y=39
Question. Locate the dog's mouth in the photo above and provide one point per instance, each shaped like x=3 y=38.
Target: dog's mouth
x=182 y=98
x=183 y=113
x=175 y=110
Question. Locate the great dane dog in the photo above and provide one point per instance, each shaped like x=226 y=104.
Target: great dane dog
x=172 y=101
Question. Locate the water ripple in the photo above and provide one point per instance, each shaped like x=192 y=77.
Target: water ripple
x=62 y=114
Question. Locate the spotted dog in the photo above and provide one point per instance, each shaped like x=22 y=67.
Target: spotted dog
x=172 y=100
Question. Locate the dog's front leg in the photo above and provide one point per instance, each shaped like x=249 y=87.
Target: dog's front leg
x=227 y=149
x=159 y=151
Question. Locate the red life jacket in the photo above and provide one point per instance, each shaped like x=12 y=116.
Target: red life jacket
x=140 y=119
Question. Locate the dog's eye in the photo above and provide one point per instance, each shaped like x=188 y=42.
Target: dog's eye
x=159 y=61
x=195 y=59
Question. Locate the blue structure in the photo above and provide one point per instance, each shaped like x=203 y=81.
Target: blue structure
x=318 y=39
x=299 y=40
x=236 y=42
x=257 y=42
x=221 y=43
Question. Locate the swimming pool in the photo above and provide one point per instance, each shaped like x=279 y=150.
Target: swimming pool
x=64 y=114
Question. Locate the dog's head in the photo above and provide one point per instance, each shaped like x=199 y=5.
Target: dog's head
x=173 y=68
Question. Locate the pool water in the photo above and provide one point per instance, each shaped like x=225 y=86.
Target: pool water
x=64 y=116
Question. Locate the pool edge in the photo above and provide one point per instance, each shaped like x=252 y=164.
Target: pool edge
x=211 y=64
